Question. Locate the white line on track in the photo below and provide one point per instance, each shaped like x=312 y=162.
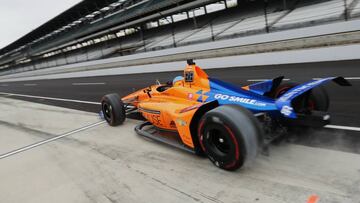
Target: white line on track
x=261 y=80
x=353 y=78
x=86 y=84
x=4 y=85
x=347 y=78
x=22 y=149
x=30 y=84
x=50 y=98
x=339 y=127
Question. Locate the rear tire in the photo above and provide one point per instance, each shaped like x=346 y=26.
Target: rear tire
x=283 y=88
x=317 y=98
x=230 y=136
x=113 y=109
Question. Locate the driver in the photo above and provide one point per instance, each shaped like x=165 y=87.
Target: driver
x=178 y=81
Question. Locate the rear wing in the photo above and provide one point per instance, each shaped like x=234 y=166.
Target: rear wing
x=284 y=102
x=265 y=87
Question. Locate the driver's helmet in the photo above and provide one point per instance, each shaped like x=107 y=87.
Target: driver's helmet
x=177 y=79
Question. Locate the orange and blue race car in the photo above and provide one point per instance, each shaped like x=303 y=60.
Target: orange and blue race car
x=228 y=124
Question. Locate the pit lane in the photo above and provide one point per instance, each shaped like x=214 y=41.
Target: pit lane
x=107 y=164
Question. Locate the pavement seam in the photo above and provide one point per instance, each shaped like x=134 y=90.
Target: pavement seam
x=23 y=128
x=46 y=141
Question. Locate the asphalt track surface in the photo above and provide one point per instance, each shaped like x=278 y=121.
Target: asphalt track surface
x=344 y=107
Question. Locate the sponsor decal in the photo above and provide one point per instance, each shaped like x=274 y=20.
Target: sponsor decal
x=156 y=120
x=286 y=110
x=300 y=89
x=238 y=99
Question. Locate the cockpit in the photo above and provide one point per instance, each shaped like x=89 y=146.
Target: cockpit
x=193 y=75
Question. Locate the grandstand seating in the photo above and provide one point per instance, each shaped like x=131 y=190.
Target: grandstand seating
x=326 y=11
x=250 y=25
x=303 y=15
x=215 y=27
x=355 y=11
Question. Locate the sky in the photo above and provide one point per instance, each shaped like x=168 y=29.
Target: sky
x=19 y=17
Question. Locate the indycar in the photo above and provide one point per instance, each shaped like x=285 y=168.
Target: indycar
x=230 y=125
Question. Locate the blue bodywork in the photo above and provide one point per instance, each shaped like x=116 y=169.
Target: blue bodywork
x=226 y=93
x=254 y=99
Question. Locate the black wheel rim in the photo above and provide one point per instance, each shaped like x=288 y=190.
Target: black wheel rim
x=107 y=109
x=218 y=140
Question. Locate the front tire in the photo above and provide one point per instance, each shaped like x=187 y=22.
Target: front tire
x=230 y=136
x=113 y=109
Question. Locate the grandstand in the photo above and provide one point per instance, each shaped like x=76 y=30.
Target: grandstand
x=93 y=30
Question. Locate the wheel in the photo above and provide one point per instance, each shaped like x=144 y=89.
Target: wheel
x=283 y=88
x=316 y=99
x=230 y=136
x=113 y=109
x=319 y=99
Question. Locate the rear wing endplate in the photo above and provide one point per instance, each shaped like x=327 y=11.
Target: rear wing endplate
x=284 y=102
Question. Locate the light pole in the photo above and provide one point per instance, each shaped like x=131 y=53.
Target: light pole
x=345 y=10
x=266 y=17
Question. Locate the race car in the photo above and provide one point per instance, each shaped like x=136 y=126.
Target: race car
x=228 y=124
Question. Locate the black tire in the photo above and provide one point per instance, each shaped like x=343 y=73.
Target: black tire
x=230 y=136
x=317 y=99
x=113 y=109
x=283 y=88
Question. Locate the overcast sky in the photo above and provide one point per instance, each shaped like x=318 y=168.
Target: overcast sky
x=18 y=17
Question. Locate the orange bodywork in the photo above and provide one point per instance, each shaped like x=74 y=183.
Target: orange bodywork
x=173 y=108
